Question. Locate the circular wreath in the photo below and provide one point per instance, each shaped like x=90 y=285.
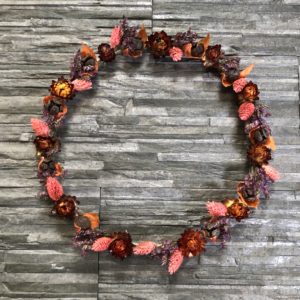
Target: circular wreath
x=133 y=42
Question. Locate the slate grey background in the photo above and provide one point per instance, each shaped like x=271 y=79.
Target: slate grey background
x=159 y=139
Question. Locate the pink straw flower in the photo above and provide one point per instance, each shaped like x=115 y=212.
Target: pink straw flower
x=176 y=53
x=101 y=244
x=271 y=172
x=54 y=188
x=40 y=127
x=246 y=110
x=115 y=37
x=144 y=248
x=82 y=85
x=175 y=262
x=239 y=85
x=216 y=209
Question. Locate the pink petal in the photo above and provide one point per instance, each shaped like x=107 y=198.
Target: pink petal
x=271 y=172
x=82 y=85
x=216 y=209
x=144 y=248
x=54 y=188
x=115 y=37
x=40 y=127
x=239 y=85
x=246 y=110
x=175 y=262
x=101 y=244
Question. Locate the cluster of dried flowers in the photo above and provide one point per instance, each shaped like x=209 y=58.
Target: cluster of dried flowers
x=133 y=41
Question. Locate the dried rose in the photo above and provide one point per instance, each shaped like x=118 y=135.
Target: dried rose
x=238 y=209
x=46 y=144
x=65 y=206
x=259 y=154
x=212 y=54
x=191 y=243
x=250 y=92
x=106 y=53
x=159 y=43
x=121 y=245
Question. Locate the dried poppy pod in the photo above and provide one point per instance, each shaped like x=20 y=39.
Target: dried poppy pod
x=191 y=243
x=135 y=50
x=106 y=53
x=196 y=50
x=55 y=107
x=86 y=221
x=46 y=145
x=65 y=206
x=121 y=245
x=259 y=154
x=258 y=135
x=159 y=44
x=48 y=167
x=237 y=208
x=62 y=88
x=89 y=63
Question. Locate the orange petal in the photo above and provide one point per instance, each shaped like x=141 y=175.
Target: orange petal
x=224 y=81
x=143 y=34
x=61 y=114
x=87 y=51
x=246 y=71
x=252 y=203
x=270 y=143
x=94 y=219
x=187 y=50
x=205 y=41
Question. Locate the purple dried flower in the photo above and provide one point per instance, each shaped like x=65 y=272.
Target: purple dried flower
x=182 y=38
x=84 y=239
x=164 y=251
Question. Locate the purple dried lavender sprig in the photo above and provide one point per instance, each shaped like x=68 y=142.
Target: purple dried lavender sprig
x=84 y=239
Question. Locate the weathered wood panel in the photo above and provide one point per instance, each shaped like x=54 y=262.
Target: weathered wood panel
x=159 y=139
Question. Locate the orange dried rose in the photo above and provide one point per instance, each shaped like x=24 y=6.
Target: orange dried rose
x=237 y=209
x=159 y=44
x=65 y=206
x=259 y=154
x=46 y=144
x=250 y=92
x=191 y=243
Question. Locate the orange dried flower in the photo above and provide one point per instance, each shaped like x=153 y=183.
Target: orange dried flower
x=259 y=154
x=159 y=43
x=65 y=206
x=238 y=209
x=47 y=144
x=62 y=88
x=191 y=243
x=250 y=92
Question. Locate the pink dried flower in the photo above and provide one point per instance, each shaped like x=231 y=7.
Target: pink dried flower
x=216 y=209
x=246 y=110
x=82 y=85
x=54 y=188
x=144 y=248
x=115 y=37
x=40 y=127
x=176 y=53
x=175 y=262
x=271 y=172
x=101 y=244
x=239 y=84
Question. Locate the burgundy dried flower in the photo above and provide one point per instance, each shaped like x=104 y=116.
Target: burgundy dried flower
x=191 y=243
x=65 y=206
x=160 y=44
x=121 y=245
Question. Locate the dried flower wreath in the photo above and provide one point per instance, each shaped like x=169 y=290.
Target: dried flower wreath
x=133 y=41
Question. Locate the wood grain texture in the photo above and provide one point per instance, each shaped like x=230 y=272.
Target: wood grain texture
x=158 y=140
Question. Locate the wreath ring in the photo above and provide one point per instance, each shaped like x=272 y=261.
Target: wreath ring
x=133 y=42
